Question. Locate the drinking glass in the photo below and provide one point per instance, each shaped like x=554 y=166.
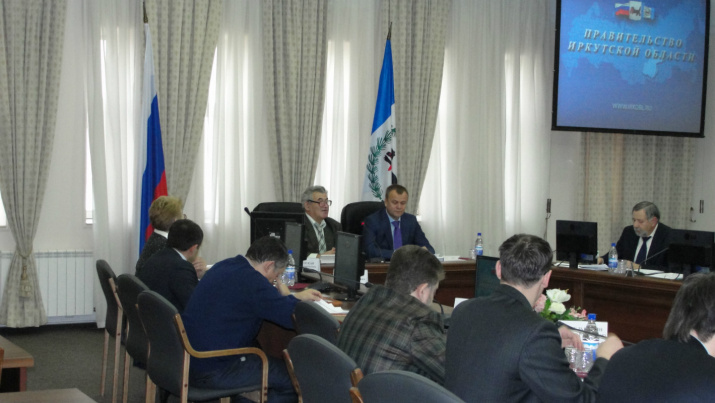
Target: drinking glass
x=623 y=267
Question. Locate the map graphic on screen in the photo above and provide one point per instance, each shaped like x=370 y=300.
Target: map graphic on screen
x=631 y=66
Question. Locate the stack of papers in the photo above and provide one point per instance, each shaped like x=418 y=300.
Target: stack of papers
x=330 y=307
x=330 y=259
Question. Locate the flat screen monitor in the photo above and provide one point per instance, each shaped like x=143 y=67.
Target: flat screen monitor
x=576 y=241
x=689 y=249
x=294 y=240
x=268 y=223
x=637 y=67
x=349 y=264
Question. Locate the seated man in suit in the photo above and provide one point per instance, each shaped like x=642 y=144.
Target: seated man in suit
x=227 y=310
x=387 y=230
x=500 y=350
x=162 y=213
x=680 y=368
x=648 y=238
x=320 y=230
x=393 y=327
x=171 y=272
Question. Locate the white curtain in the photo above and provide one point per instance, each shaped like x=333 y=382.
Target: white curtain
x=184 y=41
x=356 y=43
x=489 y=169
x=233 y=170
x=622 y=170
x=113 y=49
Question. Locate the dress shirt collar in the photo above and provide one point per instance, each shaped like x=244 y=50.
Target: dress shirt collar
x=389 y=217
x=313 y=222
x=180 y=254
x=165 y=234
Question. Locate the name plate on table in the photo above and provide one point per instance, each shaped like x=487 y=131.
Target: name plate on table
x=581 y=324
x=312 y=263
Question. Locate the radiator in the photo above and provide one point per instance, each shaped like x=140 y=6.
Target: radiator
x=66 y=280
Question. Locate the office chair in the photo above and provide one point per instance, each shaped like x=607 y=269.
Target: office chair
x=280 y=207
x=170 y=352
x=309 y=318
x=402 y=386
x=112 y=323
x=353 y=215
x=137 y=346
x=321 y=372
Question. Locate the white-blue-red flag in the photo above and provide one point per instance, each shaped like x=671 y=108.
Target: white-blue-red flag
x=381 y=170
x=154 y=177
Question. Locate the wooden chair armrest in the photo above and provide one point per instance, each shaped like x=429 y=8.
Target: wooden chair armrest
x=355 y=395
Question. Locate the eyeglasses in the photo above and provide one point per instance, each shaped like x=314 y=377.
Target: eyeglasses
x=322 y=202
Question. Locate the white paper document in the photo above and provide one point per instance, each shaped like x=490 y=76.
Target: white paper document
x=330 y=307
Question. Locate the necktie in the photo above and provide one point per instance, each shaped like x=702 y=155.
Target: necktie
x=321 y=238
x=397 y=235
x=643 y=252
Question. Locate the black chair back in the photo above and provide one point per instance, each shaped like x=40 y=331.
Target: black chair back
x=166 y=357
x=128 y=288
x=353 y=215
x=323 y=371
x=312 y=319
x=280 y=207
x=403 y=386
x=487 y=280
x=104 y=272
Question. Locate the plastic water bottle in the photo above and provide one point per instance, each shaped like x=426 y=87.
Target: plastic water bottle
x=612 y=258
x=289 y=274
x=479 y=245
x=591 y=341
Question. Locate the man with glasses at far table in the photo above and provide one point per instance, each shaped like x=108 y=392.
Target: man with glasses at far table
x=320 y=230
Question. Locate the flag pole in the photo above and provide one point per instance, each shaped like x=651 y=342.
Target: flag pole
x=389 y=31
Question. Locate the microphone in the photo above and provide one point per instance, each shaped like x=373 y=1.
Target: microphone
x=321 y=274
x=247 y=211
x=638 y=271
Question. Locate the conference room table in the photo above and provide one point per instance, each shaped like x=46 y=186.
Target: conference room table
x=635 y=308
x=14 y=367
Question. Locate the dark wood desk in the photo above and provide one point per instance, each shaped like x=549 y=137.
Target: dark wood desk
x=636 y=308
x=14 y=367
x=458 y=280
x=53 y=395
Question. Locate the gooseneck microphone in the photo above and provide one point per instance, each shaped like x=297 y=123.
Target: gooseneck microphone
x=638 y=271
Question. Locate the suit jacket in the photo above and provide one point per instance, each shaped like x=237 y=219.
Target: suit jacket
x=660 y=371
x=377 y=234
x=500 y=350
x=155 y=243
x=171 y=276
x=330 y=232
x=628 y=242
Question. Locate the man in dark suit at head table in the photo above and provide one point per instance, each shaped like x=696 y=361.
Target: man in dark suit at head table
x=647 y=239
x=500 y=350
x=678 y=368
x=320 y=230
x=387 y=230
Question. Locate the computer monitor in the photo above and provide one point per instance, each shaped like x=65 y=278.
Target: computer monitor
x=269 y=223
x=349 y=264
x=294 y=240
x=689 y=249
x=576 y=241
